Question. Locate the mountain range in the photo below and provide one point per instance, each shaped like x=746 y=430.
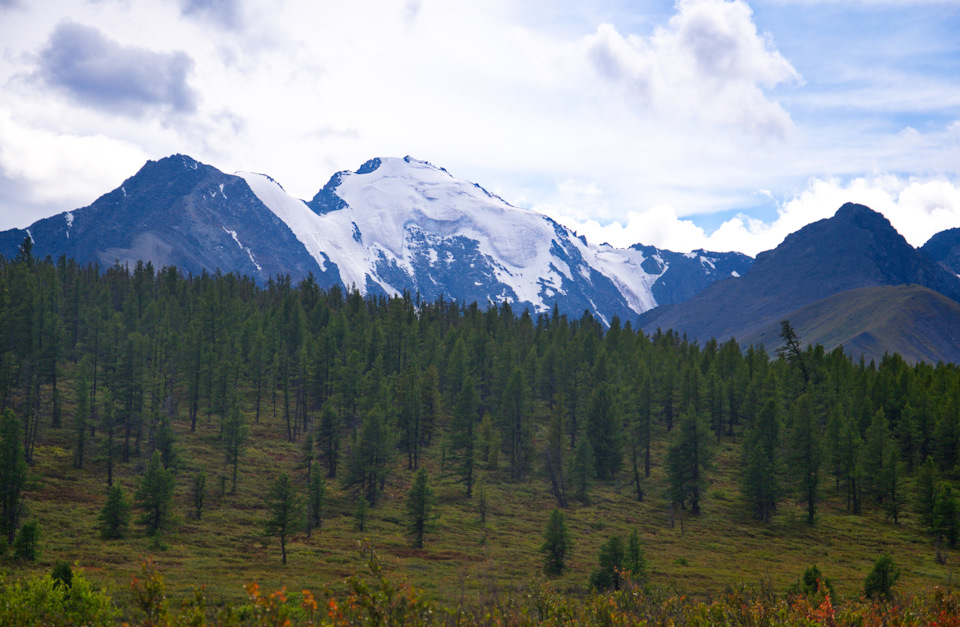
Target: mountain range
x=404 y=225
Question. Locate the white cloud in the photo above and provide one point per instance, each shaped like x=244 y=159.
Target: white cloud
x=709 y=63
x=918 y=209
x=63 y=168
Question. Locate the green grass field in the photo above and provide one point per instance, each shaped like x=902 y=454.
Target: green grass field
x=461 y=561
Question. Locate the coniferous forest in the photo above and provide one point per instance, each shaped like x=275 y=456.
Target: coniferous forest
x=489 y=457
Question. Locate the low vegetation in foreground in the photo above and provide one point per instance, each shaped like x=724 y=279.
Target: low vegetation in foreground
x=371 y=598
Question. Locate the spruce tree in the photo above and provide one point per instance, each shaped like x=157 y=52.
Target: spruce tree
x=419 y=508
x=556 y=543
x=316 y=498
x=115 y=516
x=154 y=495
x=198 y=492
x=328 y=438
x=284 y=512
x=604 y=431
x=688 y=459
x=760 y=481
x=582 y=469
x=806 y=453
x=13 y=474
x=608 y=574
x=554 y=452
x=635 y=562
x=235 y=434
x=463 y=438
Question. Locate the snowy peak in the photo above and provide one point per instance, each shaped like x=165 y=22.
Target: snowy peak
x=394 y=225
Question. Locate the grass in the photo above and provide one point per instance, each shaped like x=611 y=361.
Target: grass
x=462 y=561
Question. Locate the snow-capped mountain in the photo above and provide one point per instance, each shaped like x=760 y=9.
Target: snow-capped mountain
x=394 y=225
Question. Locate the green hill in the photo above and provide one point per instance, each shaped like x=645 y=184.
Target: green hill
x=910 y=320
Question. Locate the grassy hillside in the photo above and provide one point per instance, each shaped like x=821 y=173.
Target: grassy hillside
x=224 y=550
x=913 y=321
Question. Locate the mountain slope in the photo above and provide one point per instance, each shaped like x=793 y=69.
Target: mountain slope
x=856 y=248
x=684 y=275
x=914 y=321
x=944 y=248
x=394 y=225
x=176 y=212
x=403 y=224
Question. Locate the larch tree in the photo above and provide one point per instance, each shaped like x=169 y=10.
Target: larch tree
x=284 y=512
x=13 y=474
x=154 y=495
x=556 y=543
x=688 y=460
x=419 y=508
x=760 y=482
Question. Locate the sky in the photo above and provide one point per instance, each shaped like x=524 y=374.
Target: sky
x=716 y=124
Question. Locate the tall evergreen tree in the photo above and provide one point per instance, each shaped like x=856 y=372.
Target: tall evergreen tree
x=328 y=438
x=582 y=469
x=419 y=508
x=154 y=495
x=760 y=482
x=370 y=456
x=463 y=439
x=284 y=512
x=13 y=474
x=556 y=543
x=806 y=453
x=115 y=516
x=235 y=435
x=316 y=498
x=688 y=460
x=553 y=452
x=604 y=431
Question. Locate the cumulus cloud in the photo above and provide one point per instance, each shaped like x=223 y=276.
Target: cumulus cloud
x=106 y=75
x=44 y=172
x=224 y=13
x=708 y=63
x=918 y=209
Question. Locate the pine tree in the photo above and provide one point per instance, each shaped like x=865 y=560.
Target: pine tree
x=556 y=543
x=419 y=508
x=761 y=462
x=284 y=512
x=154 y=495
x=115 y=516
x=688 y=459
